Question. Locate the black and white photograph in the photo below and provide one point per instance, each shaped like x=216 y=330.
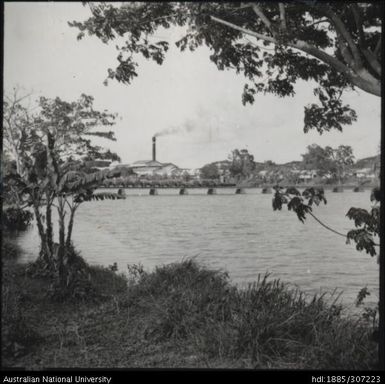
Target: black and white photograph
x=192 y=185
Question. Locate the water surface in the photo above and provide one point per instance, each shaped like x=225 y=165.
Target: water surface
x=237 y=233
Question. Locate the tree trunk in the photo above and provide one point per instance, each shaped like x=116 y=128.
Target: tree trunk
x=49 y=232
x=17 y=161
x=46 y=253
x=69 y=229
x=61 y=250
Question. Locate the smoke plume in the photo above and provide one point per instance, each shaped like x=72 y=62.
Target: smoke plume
x=185 y=128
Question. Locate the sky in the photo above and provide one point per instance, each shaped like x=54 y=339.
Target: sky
x=187 y=96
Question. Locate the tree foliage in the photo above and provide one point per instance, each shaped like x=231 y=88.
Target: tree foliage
x=210 y=171
x=367 y=223
x=299 y=203
x=317 y=158
x=337 y=46
x=242 y=163
x=16 y=219
x=332 y=161
x=46 y=168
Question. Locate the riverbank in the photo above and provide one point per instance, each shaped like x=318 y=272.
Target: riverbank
x=179 y=315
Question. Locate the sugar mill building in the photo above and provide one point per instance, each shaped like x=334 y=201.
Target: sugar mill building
x=151 y=167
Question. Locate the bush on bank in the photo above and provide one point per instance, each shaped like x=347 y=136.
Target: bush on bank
x=179 y=315
x=267 y=325
x=16 y=219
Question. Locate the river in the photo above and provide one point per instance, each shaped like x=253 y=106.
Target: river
x=237 y=233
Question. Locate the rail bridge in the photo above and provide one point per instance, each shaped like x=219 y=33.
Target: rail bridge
x=211 y=189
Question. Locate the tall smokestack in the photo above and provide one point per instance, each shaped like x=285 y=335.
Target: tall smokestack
x=154 y=148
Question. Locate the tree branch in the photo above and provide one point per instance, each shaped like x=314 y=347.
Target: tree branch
x=244 y=30
x=318 y=22
x=16 y=100
x=345 y=52
x=366 y=81
x=372 y=60
x=358 y=21
x=340 y=29
x=258 y=11
x=298 y=44
x=282 y=15
x=378 y=46
x=326 y=226
x=361 y=78
x=370 y=56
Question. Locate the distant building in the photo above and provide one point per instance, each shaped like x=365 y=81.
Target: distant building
x=223 y=165
x=262 y=173
x=150 y=167
x=192 y=171
x=365 y=173
x=145 y=167
x=167 y=169
x=307 y=175
x=98 y=164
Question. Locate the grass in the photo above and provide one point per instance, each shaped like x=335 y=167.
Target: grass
x=9 y=250
x=179 y=315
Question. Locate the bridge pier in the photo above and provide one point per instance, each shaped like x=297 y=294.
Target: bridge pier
x=212 y=191
x=153 y=191
x=338 y=189
x=240 y=191
x=121 y=193
x=358 y=189
x=267 y=190
x=183 y=191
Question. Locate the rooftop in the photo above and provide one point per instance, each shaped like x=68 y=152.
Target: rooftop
x=147 y=163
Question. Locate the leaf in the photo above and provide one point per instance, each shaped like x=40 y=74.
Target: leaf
x=375 y=194
x=293 y=191
x=299 y=208
x=363 y=240
x=277 y=202
x=314 y=195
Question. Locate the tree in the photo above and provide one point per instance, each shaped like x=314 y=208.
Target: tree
x=48 y=149
x=242 y=163
x=317 y=158
x=328 y=160
x=342 y=159
x=186 y=176
x=335 y=45
x=210 y=171
x=269 y=164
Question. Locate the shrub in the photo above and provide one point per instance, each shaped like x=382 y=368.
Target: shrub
x=83 y=282
x=18 y=334
x=268 y=324
x=16 y=219
x=9 y=250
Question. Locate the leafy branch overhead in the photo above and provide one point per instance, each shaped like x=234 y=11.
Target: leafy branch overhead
x=367 y=223
x=336 y=46
x=300 y=204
